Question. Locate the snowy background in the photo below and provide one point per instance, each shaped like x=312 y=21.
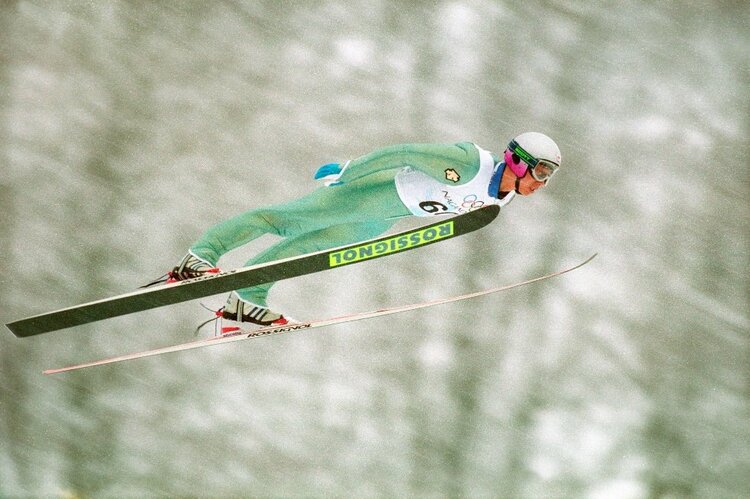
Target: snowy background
x=130 y=127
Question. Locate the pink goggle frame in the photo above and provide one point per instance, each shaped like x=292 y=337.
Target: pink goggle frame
x=519 y=161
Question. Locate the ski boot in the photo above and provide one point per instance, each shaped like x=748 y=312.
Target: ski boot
x=189 y=268
x=241 y=315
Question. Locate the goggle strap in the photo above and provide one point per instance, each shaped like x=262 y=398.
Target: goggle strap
x=523 y=154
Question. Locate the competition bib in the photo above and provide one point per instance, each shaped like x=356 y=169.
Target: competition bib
x=425 y=196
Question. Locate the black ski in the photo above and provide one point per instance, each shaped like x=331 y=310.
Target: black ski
x=212 y=284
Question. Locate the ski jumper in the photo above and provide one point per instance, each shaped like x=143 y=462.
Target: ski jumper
x=362 y=200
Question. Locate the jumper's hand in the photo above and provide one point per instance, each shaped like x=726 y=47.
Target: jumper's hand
x=330 y=173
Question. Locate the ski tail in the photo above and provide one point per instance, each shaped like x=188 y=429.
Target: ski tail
x=267 y=331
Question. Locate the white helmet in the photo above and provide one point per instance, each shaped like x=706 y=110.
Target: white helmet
x=534 y=152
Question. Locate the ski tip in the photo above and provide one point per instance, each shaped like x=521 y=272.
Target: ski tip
x=586 y=260
x=578 y=266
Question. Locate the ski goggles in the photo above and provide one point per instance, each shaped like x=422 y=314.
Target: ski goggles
x=521 y=161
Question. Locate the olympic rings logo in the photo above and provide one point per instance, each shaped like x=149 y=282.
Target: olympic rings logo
x=472 y=202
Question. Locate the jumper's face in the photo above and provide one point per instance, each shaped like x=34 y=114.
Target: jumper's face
x=528 y=185
x=523 y=163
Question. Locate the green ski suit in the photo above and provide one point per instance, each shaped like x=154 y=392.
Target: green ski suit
x=362 y=204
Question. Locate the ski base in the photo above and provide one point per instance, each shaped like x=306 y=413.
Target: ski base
x=267 y=331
